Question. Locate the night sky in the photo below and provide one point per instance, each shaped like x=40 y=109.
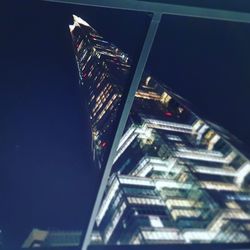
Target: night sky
x=47 y=178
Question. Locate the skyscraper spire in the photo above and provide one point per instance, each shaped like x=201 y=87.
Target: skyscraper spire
x=77 y=22
x=103 y=70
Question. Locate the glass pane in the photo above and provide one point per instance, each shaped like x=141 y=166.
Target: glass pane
x=178 y=178
x=240 y=5
x=49 y=182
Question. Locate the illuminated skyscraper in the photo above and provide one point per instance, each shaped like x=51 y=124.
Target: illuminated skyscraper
x=103 y=71
x=175 y=178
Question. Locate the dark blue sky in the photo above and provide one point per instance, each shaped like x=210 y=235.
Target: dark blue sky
x=47 y=179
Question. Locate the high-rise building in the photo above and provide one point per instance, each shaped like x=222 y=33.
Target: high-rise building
x=176 y=178
x=103 y=72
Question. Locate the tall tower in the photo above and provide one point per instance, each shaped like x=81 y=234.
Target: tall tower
x=103 y=72
x=175 y=177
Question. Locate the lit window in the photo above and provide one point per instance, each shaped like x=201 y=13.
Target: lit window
x=145 y=201
x=171 y=235
x=165 y=98
x=233 y=205
x=188 y=203
x=199 y=236
x=219 y=186
x=176 y=213
x=155 y=221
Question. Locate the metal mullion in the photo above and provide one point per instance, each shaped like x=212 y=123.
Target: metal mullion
x=171 y=9
x=121 y=126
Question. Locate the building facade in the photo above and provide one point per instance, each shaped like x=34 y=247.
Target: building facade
x=52 y=238
x=39 y=238
x=103 y=72
x=175 y=178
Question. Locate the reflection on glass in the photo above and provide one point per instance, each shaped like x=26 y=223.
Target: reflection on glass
x=175 y=177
